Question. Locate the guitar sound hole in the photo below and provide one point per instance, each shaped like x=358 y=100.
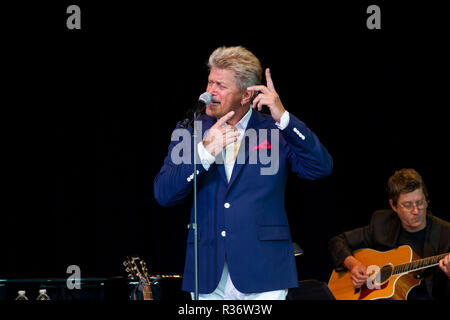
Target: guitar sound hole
x=385 y=272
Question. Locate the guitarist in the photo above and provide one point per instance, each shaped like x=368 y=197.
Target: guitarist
x=408 y=223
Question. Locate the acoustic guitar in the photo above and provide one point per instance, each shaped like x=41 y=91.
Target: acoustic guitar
x=392 y=274
x=137 y=270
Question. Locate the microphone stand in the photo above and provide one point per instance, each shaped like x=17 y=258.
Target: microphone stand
x=195 y=112
x=195 y=226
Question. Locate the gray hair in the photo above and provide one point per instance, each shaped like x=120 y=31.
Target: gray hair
x=246 y=66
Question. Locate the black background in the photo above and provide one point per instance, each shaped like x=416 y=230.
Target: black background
x=87 y=118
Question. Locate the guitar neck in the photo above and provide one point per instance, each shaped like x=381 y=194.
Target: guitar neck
x=418 y=264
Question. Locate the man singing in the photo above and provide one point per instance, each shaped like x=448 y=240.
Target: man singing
x=244 y=243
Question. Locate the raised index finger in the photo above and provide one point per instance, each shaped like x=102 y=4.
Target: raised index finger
x=225 y=118
x=269 y=80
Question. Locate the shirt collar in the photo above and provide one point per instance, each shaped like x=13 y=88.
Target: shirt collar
x=242 y=124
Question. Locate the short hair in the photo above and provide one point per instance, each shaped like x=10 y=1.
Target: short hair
x=405 y=181
x=246 y=66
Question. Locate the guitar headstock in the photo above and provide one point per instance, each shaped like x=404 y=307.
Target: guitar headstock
x=137 y=269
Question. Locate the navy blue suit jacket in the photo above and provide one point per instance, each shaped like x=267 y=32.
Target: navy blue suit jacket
x=244 y=221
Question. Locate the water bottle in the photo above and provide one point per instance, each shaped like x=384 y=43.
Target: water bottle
x=21 y=295
x=43 y=295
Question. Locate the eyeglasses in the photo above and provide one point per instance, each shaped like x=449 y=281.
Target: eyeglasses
x=420 y=205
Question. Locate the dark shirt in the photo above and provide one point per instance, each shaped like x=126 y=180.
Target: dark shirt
x=416 y=240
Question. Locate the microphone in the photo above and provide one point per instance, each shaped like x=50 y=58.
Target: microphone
x=204 y=99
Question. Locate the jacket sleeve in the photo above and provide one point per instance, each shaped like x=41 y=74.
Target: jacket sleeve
x=343 y=245
x=308 y=157
x=441 y=282
x=174 y=181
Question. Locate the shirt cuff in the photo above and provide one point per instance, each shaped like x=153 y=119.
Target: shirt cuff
x=284 y=121
x=206 y=158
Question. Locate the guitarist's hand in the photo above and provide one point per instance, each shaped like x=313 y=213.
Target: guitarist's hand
x=358 y=271
x=444 y=264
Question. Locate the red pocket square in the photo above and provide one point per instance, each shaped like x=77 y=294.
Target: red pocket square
x=263 y=145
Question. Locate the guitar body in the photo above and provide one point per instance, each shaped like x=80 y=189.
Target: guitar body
x=396 y=288
x=147 y=292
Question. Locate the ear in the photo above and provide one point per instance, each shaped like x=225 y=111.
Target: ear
x=246 y=97
x=394 y=207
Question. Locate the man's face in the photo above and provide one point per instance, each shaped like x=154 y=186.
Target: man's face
x=411 y=209
x=225 y=94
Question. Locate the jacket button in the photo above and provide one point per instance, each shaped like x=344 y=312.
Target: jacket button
x=226 y=205
x=223 y=233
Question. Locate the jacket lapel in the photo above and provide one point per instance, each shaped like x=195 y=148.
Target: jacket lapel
x=207 y=123
x=393 y=231
x=244 y=151
x=221 y=169
x=432 y=237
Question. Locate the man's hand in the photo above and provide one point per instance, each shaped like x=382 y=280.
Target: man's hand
x=269 y=98
x=444 y=264
x=358 y=271
x=220 y=135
